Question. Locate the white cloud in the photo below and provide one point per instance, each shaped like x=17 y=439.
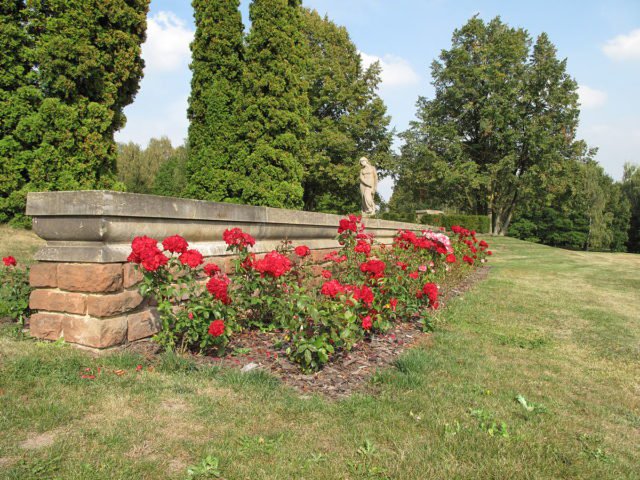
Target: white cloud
x=167 y=46
x=624 y=47
x=591 y=97
x=396 y=71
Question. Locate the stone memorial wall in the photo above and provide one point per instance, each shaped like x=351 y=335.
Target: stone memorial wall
x=85 y=291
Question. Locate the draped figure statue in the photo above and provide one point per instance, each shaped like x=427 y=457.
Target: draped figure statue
x=368 y=186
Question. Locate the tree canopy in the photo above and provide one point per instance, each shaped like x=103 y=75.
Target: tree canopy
x=501 y=124
x=69 y=69
x=348 y=118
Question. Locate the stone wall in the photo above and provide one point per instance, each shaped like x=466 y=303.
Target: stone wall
x=86 y=293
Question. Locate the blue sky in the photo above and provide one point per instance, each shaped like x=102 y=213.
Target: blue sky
x=601 y=40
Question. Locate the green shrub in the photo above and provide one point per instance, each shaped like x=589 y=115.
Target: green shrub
x=479 y=223
x=14 y=292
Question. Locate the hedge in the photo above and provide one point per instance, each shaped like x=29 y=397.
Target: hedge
x=479 y=223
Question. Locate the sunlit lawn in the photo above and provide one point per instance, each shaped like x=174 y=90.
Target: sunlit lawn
x=561 y=329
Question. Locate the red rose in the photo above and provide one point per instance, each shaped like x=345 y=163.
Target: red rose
x=274 y=264
x=190 y=315
x=175 y=244
x=402 y=265
x=155 y=261
x=483 y=244
x=348 y=224
x=451 y=258
x=326 y=274
x=489 y=252
x=9 y=261
x=367 y=323
x=364 y=294
x=302 y=251
x=249 y=261
x=467 y=259
x=414 y=275
x=431 y=291
x=141 y=247
x=216 y=328
x=393 y=303
x=375 y=268
x=363 y=247
x=236 y=237
x=332 y=288
x=193 y=258
x=219 y=288
x=210 y=269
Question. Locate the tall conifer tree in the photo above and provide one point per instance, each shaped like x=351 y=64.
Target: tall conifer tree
x=87 y=68
x=19 y=97
x=274 y=112
x=217 y=65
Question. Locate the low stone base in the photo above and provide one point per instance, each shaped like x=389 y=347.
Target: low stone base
x=95 y=305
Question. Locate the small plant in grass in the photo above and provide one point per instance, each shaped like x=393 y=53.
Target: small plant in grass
x=14 y=290
x=207 y=469
x=488 y=424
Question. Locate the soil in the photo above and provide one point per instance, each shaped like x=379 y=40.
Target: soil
x=347 y=373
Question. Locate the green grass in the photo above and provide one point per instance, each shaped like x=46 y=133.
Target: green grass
x=18 y=242
x=559 y=328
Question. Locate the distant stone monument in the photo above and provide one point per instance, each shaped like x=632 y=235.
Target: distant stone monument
x=368 y=187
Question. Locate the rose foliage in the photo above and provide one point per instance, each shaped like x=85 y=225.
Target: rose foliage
x=361 y=290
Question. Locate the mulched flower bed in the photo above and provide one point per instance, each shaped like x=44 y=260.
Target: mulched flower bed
x=346 y=373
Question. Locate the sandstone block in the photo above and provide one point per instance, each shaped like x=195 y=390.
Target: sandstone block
x=57 y=301
x=143 y=324
x=47 y=326
x=317 y=256
x=114 y=304
x=94 y=332
x=131 y=275
x=43 y=274
x=94 y=278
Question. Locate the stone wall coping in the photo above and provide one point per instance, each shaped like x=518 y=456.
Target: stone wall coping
x=104 y=203
x=98 y=226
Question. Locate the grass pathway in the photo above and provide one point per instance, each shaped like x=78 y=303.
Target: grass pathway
x=559 y=329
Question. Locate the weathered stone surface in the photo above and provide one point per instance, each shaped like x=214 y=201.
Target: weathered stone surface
x=131 y=275
x=98 y=226
x=113 y=304
x=143 y=324
x=94 y=332
x=317 y=256
x=45 y=325
x=43 y=274
x=92 y=278
x=57 y=301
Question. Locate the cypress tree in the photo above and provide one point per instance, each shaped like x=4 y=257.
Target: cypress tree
x=87 y=68
x=217 y=64
x=19 y=96
x=275 y=109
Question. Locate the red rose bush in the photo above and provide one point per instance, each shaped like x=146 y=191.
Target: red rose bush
x=361 y=290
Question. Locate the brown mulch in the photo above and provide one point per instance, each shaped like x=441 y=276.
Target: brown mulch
x=348 y=372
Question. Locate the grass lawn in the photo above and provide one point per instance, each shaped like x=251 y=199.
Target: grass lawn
x=560 y=329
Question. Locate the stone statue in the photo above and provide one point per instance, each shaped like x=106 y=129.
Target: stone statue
x=368 y=186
